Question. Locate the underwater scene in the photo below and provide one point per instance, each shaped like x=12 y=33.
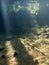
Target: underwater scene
x=24 y=32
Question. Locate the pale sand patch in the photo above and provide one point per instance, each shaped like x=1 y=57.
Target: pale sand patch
x=10 y=51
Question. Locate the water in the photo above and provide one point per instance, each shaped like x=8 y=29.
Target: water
x=20 y=16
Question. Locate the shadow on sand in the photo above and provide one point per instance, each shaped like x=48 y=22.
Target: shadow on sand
x=3 y=52
x=22 y=55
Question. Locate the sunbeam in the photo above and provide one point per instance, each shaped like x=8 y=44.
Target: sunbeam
x=5 y=17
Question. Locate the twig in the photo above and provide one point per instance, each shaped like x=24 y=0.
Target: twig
x=40 y=51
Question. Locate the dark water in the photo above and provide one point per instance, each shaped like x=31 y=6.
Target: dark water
x=20 y=22
x=2 y=29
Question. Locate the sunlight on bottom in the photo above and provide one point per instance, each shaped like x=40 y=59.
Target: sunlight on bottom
x=26 y=47
x=10 y=51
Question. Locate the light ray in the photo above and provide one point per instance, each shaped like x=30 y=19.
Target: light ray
x=5 y=16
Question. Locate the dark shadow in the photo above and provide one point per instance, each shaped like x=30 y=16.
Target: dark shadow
x=22 y=55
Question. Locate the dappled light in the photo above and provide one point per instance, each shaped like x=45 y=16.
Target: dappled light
x=32 y=7
x=16 y=7
x=31 y=48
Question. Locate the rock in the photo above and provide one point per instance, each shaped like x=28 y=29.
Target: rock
x=36 y=61
x=1 y=48
x=15 y=54
x=3 y=56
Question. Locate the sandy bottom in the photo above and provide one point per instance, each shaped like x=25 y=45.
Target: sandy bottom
x=20 y=51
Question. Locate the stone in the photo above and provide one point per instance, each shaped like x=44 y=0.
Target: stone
x=1 y=48
x=15 y=54
x=36 y=61
x=3 y=56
